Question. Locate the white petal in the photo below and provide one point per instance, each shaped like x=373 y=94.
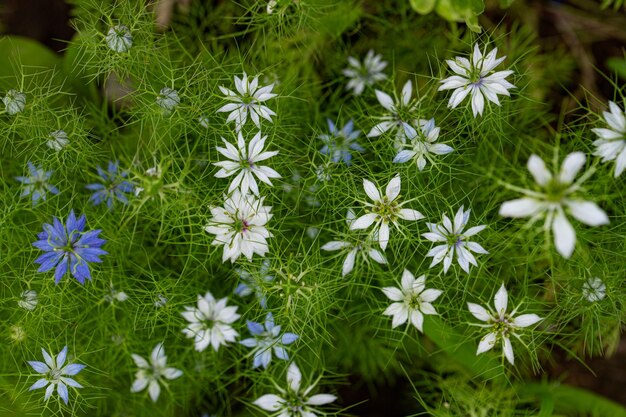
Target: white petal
x=410 y=214
x=486 y=343
x=479 y=312
x=294 y=377
x=526 y=320
x=269 y=402
x=335 y=245
x=393 y=188
x=394 y=294
x=321 y=399
x=154 y=389
x=508 y=350
x=348 y=263
x=364 y=221
x=501 y=300
x=538 y=169
x=417 y=319
x=571 y=165
x=587 y=212
x=371 y=190
x=564 y=235
x=384 y=99
x=521 y=207
x=383 y=235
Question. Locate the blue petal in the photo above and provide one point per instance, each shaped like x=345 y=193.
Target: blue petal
x=289 y=338
x=60 y=271
x=254 y=327
x=249 y=343
x=269 y=322
x=48 y=260
x=73 y=369
x=281 y=353
x=62 y=390
x=39 y=367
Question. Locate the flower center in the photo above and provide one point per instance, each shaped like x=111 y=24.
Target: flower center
x=555 y=191
x=55 y=374
x=386 y=209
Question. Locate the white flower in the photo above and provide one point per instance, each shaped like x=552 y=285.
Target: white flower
x=384 y=210
x=454 y=239
x=412 y=301
x=594 y=290
x=119 y=38
x=243 y=161
x=168 y=99
x=210 y=322
x=59 y=140
x=477 y=77
x=160 y=301
x=270 y=6
x=366 y=74
x=14 y=101
x=501 y=324
x=247 y=101
x=29 y=300
x=204 y=121
x=54 y=374
x=154 y=373
x=364 y=248
x=399 y=116
x=554 y=198
x=611 y=142
x=240 y=226
x=422 y=144
x=294 y=402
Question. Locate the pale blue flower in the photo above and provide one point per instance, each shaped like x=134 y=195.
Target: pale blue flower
x=340 y=142
x=36 y=183
x=114 y=186
x=54 y=374
x=266 y=339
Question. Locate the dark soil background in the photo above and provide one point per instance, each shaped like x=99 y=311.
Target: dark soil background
x=590 y=35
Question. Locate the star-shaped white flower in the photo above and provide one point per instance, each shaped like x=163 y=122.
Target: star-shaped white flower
x=54 y=374
x=294 y=402
x=399 y=116
x=611 y=142
x=501 y=324
x=384 y=210
x=210 y=323
x=240 y=226
x=455 y=240
x=366 y=74
x=554 y=198
x=247 y=101
x=243 y=162
x=478 y=78
x=152 y=374
x=412 y=301
x=354 y=248
x=422 y=144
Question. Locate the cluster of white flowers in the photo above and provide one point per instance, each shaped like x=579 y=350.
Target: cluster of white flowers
x=240 y=225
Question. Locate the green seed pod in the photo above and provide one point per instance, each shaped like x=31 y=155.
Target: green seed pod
x=119 y=38
x=14 y=101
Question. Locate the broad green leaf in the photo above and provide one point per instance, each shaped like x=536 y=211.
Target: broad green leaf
x=17 y=52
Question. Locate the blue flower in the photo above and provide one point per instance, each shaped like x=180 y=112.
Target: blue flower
x=339 y=143
x=54 y=374
x=69 y=247
x=250 y=286
x=265 y=339
x=113 y=188
x=36 y=184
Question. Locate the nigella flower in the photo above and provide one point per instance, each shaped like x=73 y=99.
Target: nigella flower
x=14 y=101
x=363 y=247
x=54 y=374
x=384 y=210
x=339 y=143
x=611 y=142
x=119 y=38
x=152 y=374
x=501 y=324
x=58 y=140
x=114 y=186
x=422 y=144
x=294 y=401
x=594 y=289
x=454 y=240
x=240 y=226
x=247 y=101
x=477 y=77
x=400 y=114
x=243 y=161
x=210 y=322
x=29 y=300
x=366 y=74
x=267 y=339
x=556 y=196
x=250 y=285
x=168 y=100
x=36 y=184
x=69 y=247
x=411 y=301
